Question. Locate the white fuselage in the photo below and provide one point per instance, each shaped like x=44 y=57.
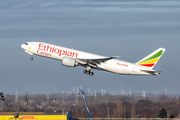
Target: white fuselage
x=58 y=52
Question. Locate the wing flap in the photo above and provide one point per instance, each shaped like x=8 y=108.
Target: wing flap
x=94 y=62
x=99 y=59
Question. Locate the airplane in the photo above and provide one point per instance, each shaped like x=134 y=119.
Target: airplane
x=73 y=58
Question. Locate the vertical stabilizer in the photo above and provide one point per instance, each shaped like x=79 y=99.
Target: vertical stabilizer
x=151 y=60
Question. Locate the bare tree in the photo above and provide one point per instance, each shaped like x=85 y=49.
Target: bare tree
x=118 y=113
x=133 y=111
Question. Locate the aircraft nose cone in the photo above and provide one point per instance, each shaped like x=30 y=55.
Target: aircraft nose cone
x=23 y=46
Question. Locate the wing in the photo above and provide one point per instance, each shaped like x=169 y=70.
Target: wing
x=94 y=62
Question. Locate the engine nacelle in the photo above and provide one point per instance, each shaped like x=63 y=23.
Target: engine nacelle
x=68 y=61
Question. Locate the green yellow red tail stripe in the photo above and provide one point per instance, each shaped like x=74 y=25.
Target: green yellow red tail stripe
x=151 y=59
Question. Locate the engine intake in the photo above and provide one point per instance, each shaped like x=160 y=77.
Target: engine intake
x=70 y=62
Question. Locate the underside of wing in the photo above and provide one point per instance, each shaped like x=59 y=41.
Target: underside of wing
x=94 y=62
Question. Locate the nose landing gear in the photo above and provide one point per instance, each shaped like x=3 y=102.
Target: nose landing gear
x=31 y=58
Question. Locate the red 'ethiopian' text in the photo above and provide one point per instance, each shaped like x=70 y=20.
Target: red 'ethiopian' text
x=122 y=64
x=45 y=49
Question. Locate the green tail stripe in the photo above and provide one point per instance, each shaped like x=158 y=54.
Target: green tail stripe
x=154 y=56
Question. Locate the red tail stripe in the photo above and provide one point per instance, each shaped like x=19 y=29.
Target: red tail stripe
x=147 y=65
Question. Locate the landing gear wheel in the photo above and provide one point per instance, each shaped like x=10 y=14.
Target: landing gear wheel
x=85 y=71
x=88 y=73
x=91 y=73
x=31 y=58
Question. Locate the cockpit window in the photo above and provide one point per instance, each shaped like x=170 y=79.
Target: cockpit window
x=26 y=43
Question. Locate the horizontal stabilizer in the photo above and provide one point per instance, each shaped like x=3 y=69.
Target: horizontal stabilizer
x=152 y=72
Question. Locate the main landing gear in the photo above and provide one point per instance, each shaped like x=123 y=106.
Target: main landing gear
x=88 y=72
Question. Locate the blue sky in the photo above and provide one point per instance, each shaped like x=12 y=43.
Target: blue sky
x=131 y=29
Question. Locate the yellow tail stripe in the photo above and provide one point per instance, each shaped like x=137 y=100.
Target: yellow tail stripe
x=150 y=61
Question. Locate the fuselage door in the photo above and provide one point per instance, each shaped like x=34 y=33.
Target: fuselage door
x=35 y=46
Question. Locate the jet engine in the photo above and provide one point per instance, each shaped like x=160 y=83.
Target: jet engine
x=70 y=62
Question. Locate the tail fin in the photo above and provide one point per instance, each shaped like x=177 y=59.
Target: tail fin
x=151 y=60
